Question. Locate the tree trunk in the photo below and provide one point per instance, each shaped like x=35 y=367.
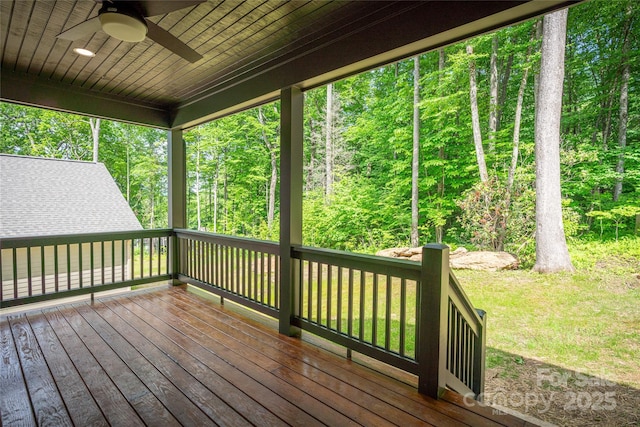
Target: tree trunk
x=493 y=99
x=504 y=84
x=271 y=209
x=551 y=246
x=215 y=196
x=329 y=144
x=439 y=231
x=153 y=208
x=536 y=76
x=475 y=119
x=225 y=201
x=517 y=120
x=128 y=175
x=415 y=160
x=198 y=208
x=95 y=133
x=624 y=105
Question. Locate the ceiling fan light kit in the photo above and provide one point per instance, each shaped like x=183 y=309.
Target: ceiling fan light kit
x=127 y=21
x=123 y=26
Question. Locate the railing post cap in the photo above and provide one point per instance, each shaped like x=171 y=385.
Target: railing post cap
x=438 y=246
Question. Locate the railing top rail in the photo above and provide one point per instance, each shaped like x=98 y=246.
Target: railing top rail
x=375 y=264
x=455 y=287
x=241 y=242
x=20 y=242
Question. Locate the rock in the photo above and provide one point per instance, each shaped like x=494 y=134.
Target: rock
x=483 y=260
x=461 y=258
x=459 y=250
x=391 y=252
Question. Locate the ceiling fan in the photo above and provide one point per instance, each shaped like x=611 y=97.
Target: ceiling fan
x=126 y=20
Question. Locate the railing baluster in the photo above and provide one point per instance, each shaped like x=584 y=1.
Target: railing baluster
x=329 y=294
x=374 y=315
x=276 y=281
x=42 y=271
x=1 y=277
x=56 y=269
x=91 y=264
x=457 y=343
x=15 y=273
x=263 y=297
x=102 y=261
x=319 y=293
x=159 y=255
x=29 y=276
x=113 y=261
x=362 y=304
x=123 y=265
x=68 y=266
x=339 y=301
x=81 y=266
x=150 y=256
x=403 y=317
x=245 y=286
x=387 y=326
x=350 y=305
x=309 y=289
x=257 y=295
x=226 y=269
x=269 y=288
x=450 y=336
x=133 y=256
x=209 y=261
x=141 y=245
x=201 y=261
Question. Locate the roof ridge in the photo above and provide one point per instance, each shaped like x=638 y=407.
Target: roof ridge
x=19 y=156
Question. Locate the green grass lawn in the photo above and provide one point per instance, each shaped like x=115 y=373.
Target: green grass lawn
x=568 y=325
x=587 y=321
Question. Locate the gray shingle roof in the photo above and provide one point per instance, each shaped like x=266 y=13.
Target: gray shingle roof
x=41 y=197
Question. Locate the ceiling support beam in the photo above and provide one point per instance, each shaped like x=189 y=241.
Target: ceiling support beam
x=29 y=90
x=390 y=35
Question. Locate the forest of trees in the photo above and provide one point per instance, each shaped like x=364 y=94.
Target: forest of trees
x=441 y=147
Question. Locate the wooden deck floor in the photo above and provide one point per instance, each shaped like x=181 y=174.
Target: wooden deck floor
x=170 y=357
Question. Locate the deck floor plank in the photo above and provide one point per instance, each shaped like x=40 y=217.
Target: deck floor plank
x=200 y=331
x=172 y=368
x=79 y=402
x=184 y=410
x=46 y=401
x=15 y=406
x=396 y=394
x=280 y=368
x=170 y=357
x=121 y=395
x=297 y=371
x=241 y=402
x=290 y=413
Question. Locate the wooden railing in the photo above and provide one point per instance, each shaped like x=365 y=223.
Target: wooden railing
x=365 y=303
x=35 y=269
x=246 y=271
x=414 y=316
x=466 y=335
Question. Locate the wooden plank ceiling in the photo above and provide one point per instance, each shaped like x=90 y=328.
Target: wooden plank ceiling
x=250 y=50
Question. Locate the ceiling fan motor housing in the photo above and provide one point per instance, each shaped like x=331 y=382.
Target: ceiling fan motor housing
x=122 y=24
